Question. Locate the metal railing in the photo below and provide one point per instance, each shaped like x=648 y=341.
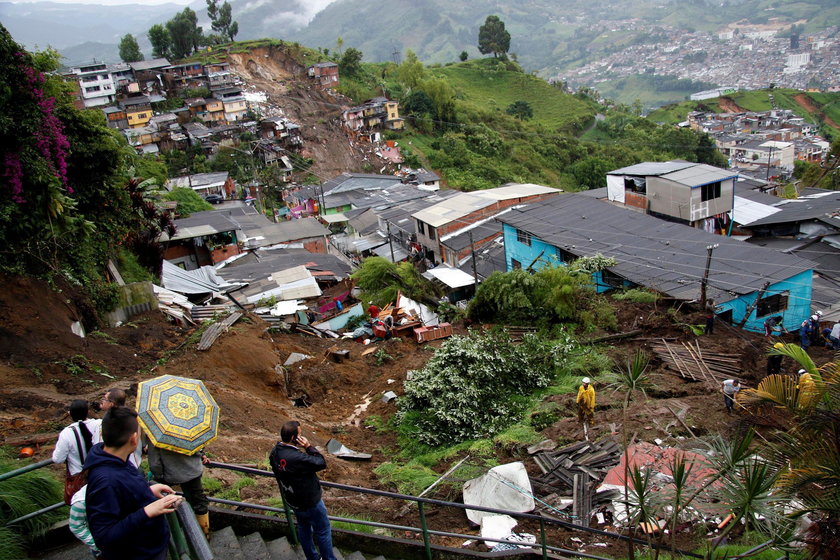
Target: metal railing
x=424 y=530
x=187 y=541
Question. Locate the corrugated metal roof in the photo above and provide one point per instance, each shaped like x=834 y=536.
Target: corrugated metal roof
x=747 y=211
x=384 y=251
x=467 y=203
x=699 y=174
x=359 y=181
x=451 y=277
x=664 y=256
x=652 y=168
x=201 y=224
x=825 y=208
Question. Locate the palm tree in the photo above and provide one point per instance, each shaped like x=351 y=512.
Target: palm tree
x=806 y=449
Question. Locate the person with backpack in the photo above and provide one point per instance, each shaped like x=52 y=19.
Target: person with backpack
x=74 y=443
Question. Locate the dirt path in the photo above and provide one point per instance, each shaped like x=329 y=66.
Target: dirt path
x=808 y=104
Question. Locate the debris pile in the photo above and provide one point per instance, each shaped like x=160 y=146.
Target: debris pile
x=692 y=363
x=570 y=476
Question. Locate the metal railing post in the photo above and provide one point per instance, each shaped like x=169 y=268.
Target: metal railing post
x=178 y=538
x=290 y=519
x=25 y=469
x=424 y=526
x=542 y=540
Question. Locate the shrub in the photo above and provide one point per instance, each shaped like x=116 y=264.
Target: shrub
x=636 y=295
x=475 y=386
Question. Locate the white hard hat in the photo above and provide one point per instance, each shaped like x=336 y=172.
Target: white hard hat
x=819 y=313
x=801 y=371
x=815 y=317
x=584 y=380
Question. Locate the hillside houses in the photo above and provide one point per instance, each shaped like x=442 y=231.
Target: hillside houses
x=373 y=115
x=325 y=74
x=756 y=140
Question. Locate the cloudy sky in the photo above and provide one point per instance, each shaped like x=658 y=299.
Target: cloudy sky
x=105 y=2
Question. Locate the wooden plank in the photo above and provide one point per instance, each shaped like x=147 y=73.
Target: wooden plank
x=215 y=330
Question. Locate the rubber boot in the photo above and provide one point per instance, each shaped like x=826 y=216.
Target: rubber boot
x=204 y=523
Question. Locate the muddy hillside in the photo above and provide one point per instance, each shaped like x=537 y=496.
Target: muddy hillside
x=289 y=92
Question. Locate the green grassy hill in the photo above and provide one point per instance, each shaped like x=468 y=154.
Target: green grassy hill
x=479 y=86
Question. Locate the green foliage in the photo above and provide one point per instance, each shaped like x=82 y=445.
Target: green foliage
x=184 y=33
x=463 y=56
x=350 y=63
x=68 y=204
x=411 y=478
x=554 y=293
x=130 y=268
x=521 y=110
x=411 y=72
x=221 y=19
x=380 y=280
x=493 y=37
x=161 y=41
x=350 y=526
x=129 y=49
x=475 y=386
x=25 y=494
x=636 y=295
x=188 y=201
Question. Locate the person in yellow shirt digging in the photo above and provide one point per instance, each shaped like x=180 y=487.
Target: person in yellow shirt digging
x=586 y=405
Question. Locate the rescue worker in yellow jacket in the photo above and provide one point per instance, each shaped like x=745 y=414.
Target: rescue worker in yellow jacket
x=586 y=403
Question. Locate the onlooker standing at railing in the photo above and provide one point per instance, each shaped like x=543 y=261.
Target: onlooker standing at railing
x=74 y=443
x=294 y=462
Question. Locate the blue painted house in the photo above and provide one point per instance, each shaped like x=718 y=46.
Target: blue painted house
x=663 y=256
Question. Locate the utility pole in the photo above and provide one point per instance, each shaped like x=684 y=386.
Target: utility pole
x=709 y=249
x=474 y=266
x=391 y=243
x=769 y=155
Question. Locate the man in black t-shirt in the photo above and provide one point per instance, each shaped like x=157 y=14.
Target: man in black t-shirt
x=294 y=462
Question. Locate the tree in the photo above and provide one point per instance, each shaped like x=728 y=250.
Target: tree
x=493 y=38
x=161 y=41
x=521 y=110
x=129 y=49
x=350 y=63
x=411 y=71
x=221 y=19
x=185 y=34
x=463 y=56
x=188 y=201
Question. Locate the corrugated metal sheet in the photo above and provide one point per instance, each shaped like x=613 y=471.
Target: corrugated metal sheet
x=652 y=168
x=699 y=174
x=467 y=203
x=746 y=211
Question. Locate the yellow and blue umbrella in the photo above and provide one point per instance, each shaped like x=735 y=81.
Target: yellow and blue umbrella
x=177 y=413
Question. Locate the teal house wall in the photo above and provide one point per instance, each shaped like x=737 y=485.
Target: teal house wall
x=798 y=287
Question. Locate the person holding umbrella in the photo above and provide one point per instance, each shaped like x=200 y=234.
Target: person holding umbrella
x=177 y=469
x=179 y=417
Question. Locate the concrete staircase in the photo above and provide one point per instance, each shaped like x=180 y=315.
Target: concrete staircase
x=227 y=546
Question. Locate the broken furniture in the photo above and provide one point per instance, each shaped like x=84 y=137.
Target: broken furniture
x=425 y=334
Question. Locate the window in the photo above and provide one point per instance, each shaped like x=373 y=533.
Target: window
x=611 y=279
x=523 y=237
x=515 y=263
x=565 y=256
x=432 y=233
x=420 y=229
x=772 y=304
x=710 y=191
x=92 y=89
